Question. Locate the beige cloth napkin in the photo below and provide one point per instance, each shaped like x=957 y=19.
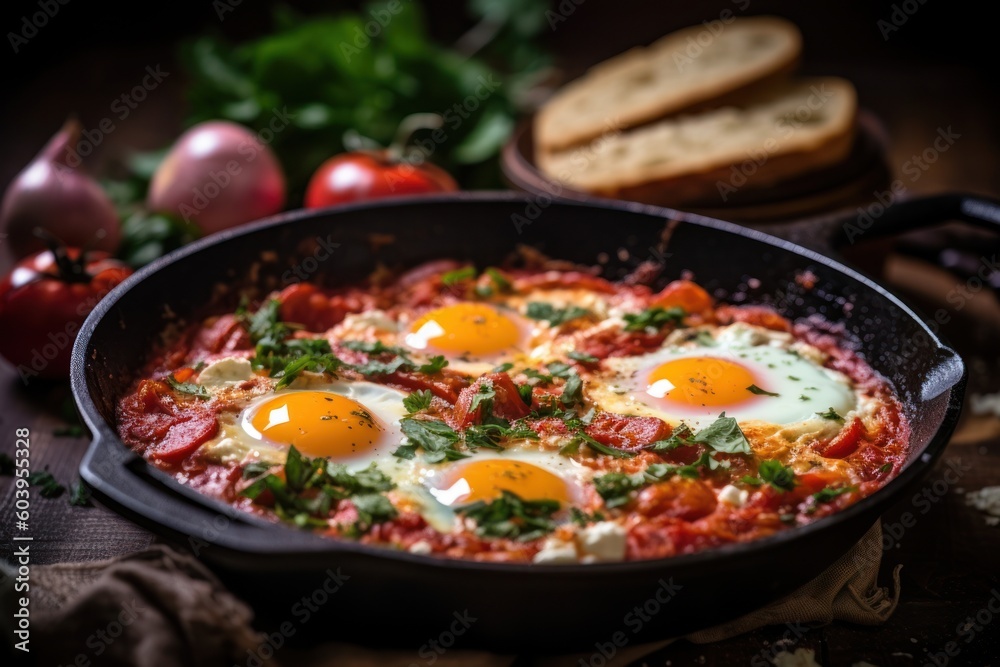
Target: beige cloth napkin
x=160 y=608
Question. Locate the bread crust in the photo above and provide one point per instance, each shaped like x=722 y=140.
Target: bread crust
x=681 y=70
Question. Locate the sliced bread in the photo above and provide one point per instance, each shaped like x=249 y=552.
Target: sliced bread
x=683 y=69
x=774 y=132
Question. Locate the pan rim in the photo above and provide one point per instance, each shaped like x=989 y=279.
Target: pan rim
x=105 y=436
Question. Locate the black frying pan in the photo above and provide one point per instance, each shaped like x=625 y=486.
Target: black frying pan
x=400 y=598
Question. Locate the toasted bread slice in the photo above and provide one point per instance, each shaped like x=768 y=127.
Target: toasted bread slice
x=773 y=133
x=683 y=69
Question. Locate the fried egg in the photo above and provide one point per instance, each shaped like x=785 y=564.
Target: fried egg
x=474 y=337
x=348 y=422
x=694 y=382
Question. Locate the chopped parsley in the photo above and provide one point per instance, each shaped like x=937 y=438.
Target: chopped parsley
x=188 y=388
x=722 y=435
x=511 y=517
x=803 y=397
x=831 y=414
x=754 y=389
x=885 y=467
x=307 y=491
x=582 y=357
x=829 y=493
x=499 y=280
x=418 y=400
x=436 y=438
x=601 y=448
x=452 y=278
x=79 y=495
x=654 y=319
x=50 y=488
x=434 y=365
x=503 y=368
x=779 y=476
x=582 y=519
x=538 y=310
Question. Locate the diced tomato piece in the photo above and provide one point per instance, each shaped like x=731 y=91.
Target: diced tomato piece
x=226 y=334
x=684 y=294
x=183 y=374
x=186 y=436
x=609 y=343
x=625 y=432
x=507 y=403
x=687 y=499
x=446 y=385
x=761 y=316
x=548 y=426
x=845 y=443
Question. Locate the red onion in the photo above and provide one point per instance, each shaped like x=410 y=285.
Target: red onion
x=218 y=175
x=53 y=194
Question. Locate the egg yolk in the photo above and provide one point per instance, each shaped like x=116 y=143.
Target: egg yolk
x=318 y=423
x=486 y=480
x=701 y=381
x=465 y=328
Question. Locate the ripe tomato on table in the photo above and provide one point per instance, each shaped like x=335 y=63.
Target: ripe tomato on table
x=43 y=302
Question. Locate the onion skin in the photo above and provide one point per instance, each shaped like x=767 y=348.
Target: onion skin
x=218 y=175
x=54 y=194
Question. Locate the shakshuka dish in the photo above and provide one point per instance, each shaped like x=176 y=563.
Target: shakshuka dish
x=533 y=414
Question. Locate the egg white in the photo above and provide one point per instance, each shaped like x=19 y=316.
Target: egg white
x=804 y=387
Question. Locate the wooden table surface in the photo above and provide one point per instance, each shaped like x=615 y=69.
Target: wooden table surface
x=950 y=556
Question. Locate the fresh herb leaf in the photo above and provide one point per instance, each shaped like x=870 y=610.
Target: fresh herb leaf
x=582 y=357
x=79 y=495
x=754 y=389
x=537 y=375
x=616 y=488
x=503 y=368
x=560 y=369
x=526 y=393
x=452 y=278
x=188 y=388
x=493 y=435
x=723 y=435
x=654 y=319
x=483 y=398
x=372 y=508
x=803 y=397
x=601 y=448
x=511 y=517
x=377 y=367
x=326 y=363
x=499 y=280
x=777 y=475
x=752 y=481
x=829 y=493
x=539 y=310
x=50 y=488
x=372 y=347
x=436 y=438
x=885 y=467
x=679 y=438
x=256 y=469
x=434 y=365
x=418 y=400
x=572 y=392
x=831 y=414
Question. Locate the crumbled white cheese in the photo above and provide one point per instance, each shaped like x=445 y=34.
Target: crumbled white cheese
x=422 y=547
x=368 y=321
x=740 y=334
x=803 y=657
x=986 y=500
x=226 y=371
x=226 y=450
x=732 y=495
x=556 y=552
x=604 y=540
x=985 y=404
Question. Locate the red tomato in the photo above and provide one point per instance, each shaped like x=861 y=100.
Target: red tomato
x=844 y=443
x=626 y=432
x=43 y=302
x=684 y=294
x=507 y=403
x=372 y=175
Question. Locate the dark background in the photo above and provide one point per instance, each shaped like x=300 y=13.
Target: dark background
x=90 y=52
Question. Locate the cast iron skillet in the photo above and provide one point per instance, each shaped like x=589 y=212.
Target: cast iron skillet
x=389 y=597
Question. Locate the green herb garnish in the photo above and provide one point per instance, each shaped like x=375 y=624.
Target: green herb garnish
x=511 y=517
x=582 y=357
x=654 y=319
x=418 y=400
x=754 y=389
x=831 y=414
x=50 y=488
x=188 y=388
x=452 y=278
x=538 y=310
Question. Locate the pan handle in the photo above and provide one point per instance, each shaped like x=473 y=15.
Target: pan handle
x=903 y=216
